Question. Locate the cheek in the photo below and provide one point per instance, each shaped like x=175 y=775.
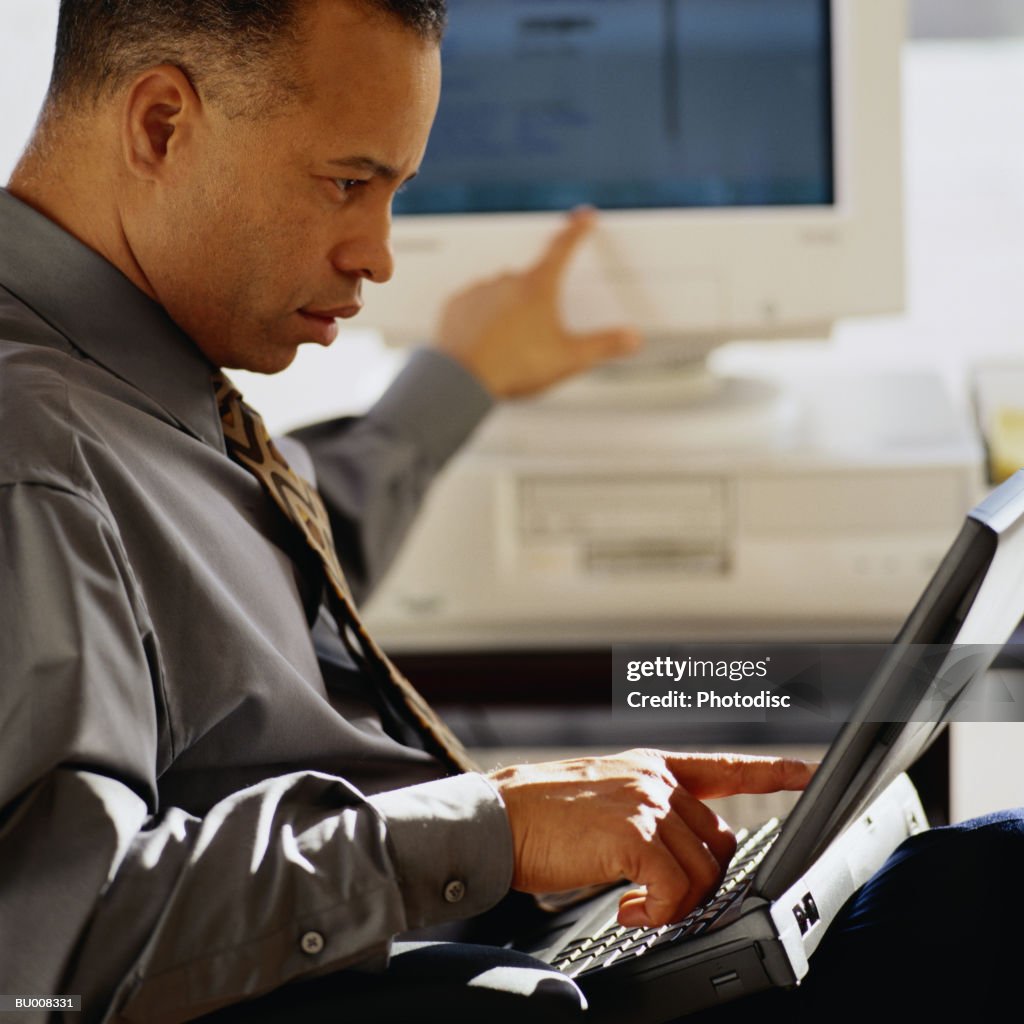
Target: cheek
x=290 y=255
x=248 y=255
x=207 y=225
x=265 y=251
x=279 y=264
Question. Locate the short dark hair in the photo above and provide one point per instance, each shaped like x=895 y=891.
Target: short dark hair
x=101 y=44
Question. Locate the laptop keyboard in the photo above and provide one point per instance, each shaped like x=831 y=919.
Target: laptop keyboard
x=612 y=943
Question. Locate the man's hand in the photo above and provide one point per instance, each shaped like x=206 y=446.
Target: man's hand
x=508 y=331
x=636 y=815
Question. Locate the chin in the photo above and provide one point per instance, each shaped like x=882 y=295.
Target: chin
x=266 y=362
x=268 y=356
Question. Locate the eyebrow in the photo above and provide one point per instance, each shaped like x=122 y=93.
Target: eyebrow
x=367 y=163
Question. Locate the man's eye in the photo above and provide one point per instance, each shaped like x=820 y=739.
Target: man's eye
x=346 y=185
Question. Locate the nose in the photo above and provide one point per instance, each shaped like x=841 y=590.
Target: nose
x=365 y=251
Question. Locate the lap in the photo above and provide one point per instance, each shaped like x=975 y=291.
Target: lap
x=450 y=981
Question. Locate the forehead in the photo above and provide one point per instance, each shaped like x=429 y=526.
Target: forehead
x=364 y=70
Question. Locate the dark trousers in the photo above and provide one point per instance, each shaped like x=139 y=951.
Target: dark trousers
x=936 y=935
x=937 y=931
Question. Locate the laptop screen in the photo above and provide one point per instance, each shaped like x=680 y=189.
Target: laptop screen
x=975 y=598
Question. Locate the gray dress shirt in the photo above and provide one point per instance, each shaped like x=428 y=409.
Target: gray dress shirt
x=200 y=798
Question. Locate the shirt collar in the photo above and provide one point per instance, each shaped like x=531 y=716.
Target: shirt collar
x=107 y=317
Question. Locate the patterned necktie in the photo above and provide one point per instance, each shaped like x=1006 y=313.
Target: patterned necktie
x=249 y=444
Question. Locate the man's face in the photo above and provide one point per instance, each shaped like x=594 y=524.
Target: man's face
x=277 y=221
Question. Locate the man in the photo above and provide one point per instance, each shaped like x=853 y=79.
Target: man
x=211 y=798
x=206 y=792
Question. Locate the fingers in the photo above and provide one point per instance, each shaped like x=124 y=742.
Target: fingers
x=640 y=816
x=699 y=845
x=715 y=775
x=678 y=873
x=666 y=884
x=719 y=839
x=703 y=871
x=702 y=844
x=597 y=346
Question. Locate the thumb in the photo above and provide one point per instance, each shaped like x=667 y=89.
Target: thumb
x=707 y=776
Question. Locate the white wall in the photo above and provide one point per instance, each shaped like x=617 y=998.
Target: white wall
x=27 y=29
x=986 y=768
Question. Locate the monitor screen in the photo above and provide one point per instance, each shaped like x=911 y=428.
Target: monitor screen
x=625 y=104
x=745 y=155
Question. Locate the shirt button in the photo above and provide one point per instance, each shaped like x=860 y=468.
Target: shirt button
x=454 y=891
x=312 y=943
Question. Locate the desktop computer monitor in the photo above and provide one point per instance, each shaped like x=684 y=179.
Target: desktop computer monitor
x=745 y=154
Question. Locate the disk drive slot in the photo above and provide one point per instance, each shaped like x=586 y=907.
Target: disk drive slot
x=628 y=525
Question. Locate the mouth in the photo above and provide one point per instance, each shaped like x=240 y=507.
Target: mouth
x=323 y=323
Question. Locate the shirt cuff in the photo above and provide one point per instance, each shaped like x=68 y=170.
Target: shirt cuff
x=452 y=847
x=435 y=401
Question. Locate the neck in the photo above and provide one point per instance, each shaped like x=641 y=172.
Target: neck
x=60 y=176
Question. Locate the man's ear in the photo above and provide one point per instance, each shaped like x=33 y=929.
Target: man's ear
x=160 y=115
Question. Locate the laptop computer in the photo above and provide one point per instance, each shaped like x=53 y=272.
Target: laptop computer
x=789 y=880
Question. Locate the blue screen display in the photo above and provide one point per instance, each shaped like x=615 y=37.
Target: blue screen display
x=547 y=104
